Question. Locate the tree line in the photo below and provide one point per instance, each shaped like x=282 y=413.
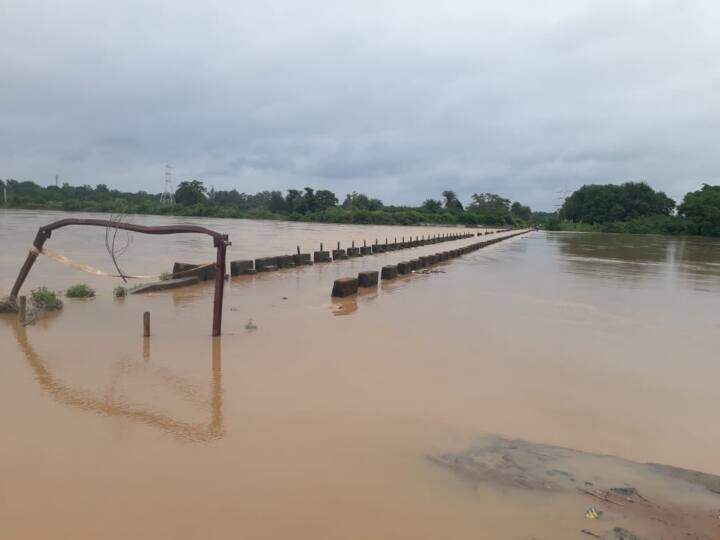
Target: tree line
x=632 y=207
x=193 y=198
x=635 y=207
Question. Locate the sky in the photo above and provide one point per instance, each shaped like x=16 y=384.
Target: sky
x=397 y=99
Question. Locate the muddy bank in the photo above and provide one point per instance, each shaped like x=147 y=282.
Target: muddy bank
x=625 y=500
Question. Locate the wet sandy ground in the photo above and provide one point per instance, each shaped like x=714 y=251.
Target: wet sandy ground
x=320 y=422
x=625 y=500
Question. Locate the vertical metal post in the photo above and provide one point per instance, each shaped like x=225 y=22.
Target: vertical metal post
x=146 y=324
x=221 y=246
x=22 y=309
x=40 y=238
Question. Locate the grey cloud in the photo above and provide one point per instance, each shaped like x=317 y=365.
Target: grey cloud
x=399 y=99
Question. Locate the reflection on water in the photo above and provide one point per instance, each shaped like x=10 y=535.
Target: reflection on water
x=642 y=260
x=623 y=257
x=113 y=406
x=698 y=262
x=619 y=248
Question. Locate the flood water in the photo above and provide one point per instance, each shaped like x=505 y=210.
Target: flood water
x=318 y=423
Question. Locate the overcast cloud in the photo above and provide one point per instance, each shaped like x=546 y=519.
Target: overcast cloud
x=398 y=99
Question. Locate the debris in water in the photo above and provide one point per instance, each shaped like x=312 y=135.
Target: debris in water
x=428 y=271
x=7 y=305
x=624 y=491
x=624 y=534
x=593 y=513
x=590 y=533
x=250 y=325
x=628 y=492
x=154 y=286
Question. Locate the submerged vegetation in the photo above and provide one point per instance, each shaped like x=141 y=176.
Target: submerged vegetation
x=80 y=291
x=44 y=298
x=119 y=292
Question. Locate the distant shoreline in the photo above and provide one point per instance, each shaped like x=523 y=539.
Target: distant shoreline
x=250 y=215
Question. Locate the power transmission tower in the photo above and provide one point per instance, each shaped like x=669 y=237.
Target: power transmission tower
x=57 y=179
x=168 y=195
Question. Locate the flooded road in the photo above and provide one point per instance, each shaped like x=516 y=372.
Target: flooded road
x=318 y=423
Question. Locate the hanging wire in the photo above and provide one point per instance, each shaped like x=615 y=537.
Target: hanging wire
x=114 y=248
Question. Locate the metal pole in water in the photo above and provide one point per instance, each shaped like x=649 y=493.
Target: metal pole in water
x=221 y=245
x=22 y=308
x=146 y=324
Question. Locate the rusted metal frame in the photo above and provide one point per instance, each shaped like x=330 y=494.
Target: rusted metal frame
x=220 y=242
x=160 y=229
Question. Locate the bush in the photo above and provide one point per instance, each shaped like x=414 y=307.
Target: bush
x=80 y=291
x=44 y=298
x=120 y=292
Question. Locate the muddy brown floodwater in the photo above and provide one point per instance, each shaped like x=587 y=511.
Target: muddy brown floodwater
x=331 y=420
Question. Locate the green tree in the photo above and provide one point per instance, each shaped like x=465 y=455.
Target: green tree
x=491 y=209
x=519 y=211
x=293 y=200
x=307 y=202
x=360 y=201
x=432 y=205
x=701 y=210
x=612 y=203
x=325 y=199
x=452 y=203
x=190 y=193
x=277 y=203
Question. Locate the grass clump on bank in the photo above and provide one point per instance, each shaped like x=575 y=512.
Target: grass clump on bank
x=44 y=298
x=80 y=291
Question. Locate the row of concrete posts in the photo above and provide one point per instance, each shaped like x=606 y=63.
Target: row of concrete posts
x=348 y=286
x=269 y=264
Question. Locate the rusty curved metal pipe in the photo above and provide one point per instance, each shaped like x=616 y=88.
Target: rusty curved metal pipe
x=220 y=242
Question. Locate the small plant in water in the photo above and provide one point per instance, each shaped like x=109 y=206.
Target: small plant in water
x=119 y=292
x=250 y=325
x=165 y=276
x=44 y=298
x=80 y=291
